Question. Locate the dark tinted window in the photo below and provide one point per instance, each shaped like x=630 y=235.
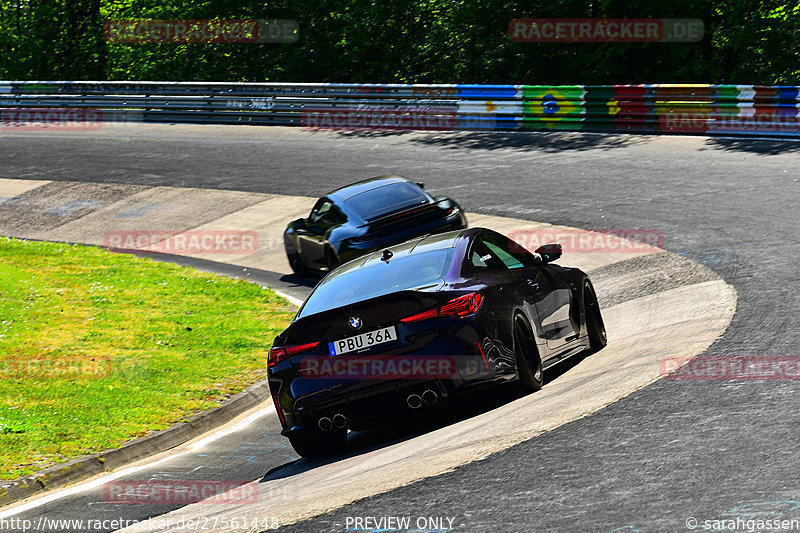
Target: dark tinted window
x=508 y=260
x=496 y=252
x=325 y=212
x=400 y=274
x=376 y=202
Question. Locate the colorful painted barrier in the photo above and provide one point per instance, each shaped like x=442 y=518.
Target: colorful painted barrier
x=650 y=108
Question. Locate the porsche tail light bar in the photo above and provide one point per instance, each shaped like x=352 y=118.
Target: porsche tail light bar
x=279 y=353
x=465 y=305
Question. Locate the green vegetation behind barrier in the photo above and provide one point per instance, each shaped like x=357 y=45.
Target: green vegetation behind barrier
x=425 y=41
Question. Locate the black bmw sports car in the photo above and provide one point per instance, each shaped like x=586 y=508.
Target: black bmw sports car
x=363 y=217
x=421 y=322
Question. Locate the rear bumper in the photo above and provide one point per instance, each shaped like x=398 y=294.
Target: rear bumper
x=365 y=408
x=369 y=402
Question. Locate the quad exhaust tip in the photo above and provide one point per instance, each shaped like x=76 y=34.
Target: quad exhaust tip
x=325 y=423
x=339 y=420
x=414 y=401
x=430 y=397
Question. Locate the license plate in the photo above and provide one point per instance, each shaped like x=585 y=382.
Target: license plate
x=363 y=341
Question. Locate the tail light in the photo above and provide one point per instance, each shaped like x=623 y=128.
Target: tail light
x=462 y=306
x=457 y=307
x=279 y=353
x=419 y=317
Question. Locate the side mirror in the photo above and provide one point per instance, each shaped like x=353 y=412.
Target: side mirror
x=299 y=223
x=420 y=185
x=549 y=252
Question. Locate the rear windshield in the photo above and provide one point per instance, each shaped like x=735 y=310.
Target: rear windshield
x=371 y=204
x=402 y=273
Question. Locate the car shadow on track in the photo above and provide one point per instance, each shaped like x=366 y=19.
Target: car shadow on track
x=756 y=146
x=414 y=424
x=545 y=141
x=296 y=280
x=561 y=141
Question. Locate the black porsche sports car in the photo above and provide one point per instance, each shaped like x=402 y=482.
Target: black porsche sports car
x=366 y=216
x=421 y=322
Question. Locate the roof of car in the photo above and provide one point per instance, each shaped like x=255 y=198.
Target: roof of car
x=348 y=191
x=425 y=243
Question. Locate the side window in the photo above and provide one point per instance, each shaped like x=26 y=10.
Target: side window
x=508 y=260
x=325 y=213
x=482 y=257
x=511 y=253
x=320 y=208
x=478 y=260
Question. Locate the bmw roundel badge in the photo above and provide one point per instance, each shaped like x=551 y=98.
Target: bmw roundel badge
x=355 y=322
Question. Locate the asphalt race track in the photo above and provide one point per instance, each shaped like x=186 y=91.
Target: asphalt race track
x=656 y=305
x=668 y=453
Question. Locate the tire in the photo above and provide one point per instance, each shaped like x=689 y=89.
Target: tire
x=296 y=262
x=595 y=326
x=529 y=363
x=293 y=255
x=330 y=259
x=315 y=444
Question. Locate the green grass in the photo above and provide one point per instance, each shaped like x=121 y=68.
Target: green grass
x=97 y=348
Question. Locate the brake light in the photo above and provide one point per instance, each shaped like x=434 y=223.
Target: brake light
x=279 y=353
x=419 y=317
x=462 y=306
x=457 y=307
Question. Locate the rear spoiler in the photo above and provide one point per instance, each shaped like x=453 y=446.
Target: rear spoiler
x=402 y=214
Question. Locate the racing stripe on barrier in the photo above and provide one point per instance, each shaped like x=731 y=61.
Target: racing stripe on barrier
x=488 y=92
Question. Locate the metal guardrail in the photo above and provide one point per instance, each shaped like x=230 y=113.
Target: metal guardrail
x=659 y=108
